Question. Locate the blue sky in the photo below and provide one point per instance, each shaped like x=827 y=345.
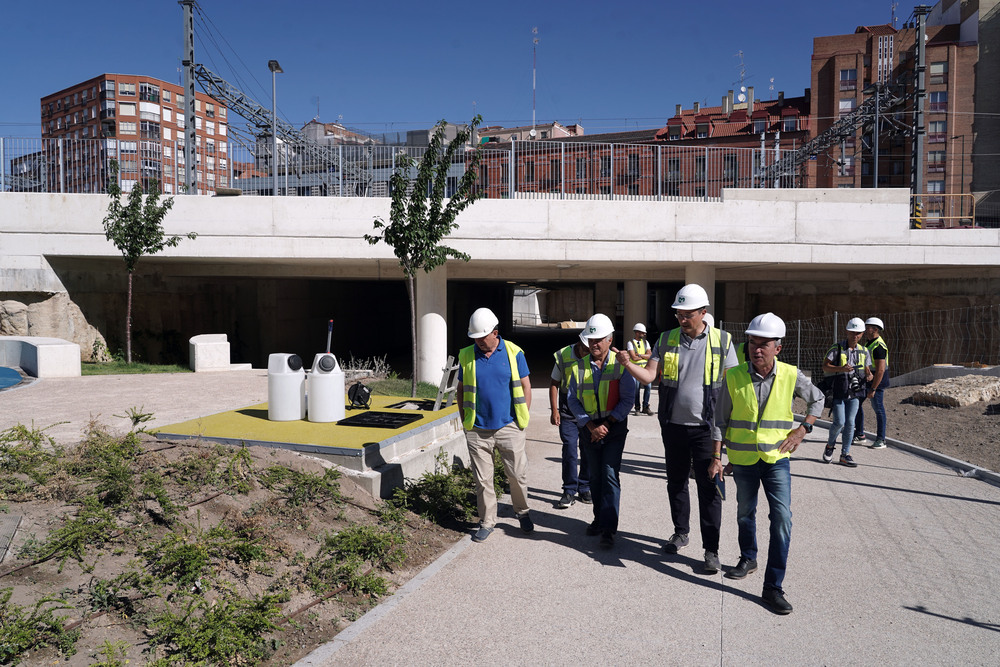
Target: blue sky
x=397 y=65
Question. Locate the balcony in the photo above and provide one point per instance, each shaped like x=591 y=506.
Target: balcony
x=149 y=97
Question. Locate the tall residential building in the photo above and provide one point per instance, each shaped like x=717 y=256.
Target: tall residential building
x=136 y=120
x=844 y=69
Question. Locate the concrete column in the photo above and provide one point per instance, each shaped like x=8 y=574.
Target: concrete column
x=704 y=275
x=635 y=305
x=431 y=291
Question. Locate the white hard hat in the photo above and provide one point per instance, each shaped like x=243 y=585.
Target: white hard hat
x=708 y=319
x=876 y=321
x=767 y=325
x=639 y=326
x=691 y=297
x=482 y=322
x=598 y=326
x=856 y=325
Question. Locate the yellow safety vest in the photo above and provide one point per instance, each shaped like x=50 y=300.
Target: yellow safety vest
x=641 y=347
x=879 y=342
x=566 y=360
x=599 y=401
x=467 y=360
x=864 y=356
x=751 y=436
x=715 y=356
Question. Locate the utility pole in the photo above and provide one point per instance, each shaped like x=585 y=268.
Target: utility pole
x=534 y=48
x=190 y=134
x=917 y=162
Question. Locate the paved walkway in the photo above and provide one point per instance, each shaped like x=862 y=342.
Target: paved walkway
x=894 y=562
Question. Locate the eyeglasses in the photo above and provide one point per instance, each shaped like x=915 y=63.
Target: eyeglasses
x=686 y=314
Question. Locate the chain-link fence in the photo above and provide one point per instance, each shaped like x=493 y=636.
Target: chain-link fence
x=963 y=336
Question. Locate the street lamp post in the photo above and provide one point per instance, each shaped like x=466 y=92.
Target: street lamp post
x=275 y=69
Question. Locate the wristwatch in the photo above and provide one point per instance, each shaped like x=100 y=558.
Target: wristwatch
x=807 y=426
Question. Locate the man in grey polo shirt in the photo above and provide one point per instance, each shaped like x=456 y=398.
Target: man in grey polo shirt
x=693 y=358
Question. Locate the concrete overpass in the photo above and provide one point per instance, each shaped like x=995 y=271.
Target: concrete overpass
x=798 y=252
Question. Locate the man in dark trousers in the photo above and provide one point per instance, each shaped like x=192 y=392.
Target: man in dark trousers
x=575 y=473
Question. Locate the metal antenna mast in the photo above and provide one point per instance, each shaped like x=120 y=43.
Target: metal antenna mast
x=534 y=48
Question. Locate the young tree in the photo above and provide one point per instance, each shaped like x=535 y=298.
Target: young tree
x=419 y=216
x=136 y=229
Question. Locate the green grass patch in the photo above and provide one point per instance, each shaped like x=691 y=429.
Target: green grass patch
x=135 y=368
x=401 y=387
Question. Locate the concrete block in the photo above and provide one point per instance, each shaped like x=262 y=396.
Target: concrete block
x=41 y=357
x=210 y=352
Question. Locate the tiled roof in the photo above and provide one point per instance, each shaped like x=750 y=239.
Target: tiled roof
x=877 y=30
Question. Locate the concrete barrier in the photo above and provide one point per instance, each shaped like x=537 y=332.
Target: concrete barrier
x=210 y=352
x=41 y=357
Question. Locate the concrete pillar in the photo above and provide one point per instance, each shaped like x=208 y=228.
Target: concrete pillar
x=704 y=275
x=431 y=290
x=635 y=305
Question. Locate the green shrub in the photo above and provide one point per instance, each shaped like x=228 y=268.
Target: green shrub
x=443 y=495
x=24 y=629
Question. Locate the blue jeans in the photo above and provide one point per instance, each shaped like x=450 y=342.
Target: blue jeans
x=877 y=407
x=645 y=396
x=575 y=474
x=843 y=412
x=776 y=479
x=605 y=460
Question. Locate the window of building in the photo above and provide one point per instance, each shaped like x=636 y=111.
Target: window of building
x=484 y=176
x=848 y=79
x=85 y=95
x=180 y=100
x=759 y=125
x=938 y=100
x=633 y=166
x=937 y=131
x=790 y=124
x=939 y=72
x=128 y=147
x=221 y=130
x=76 y=98
x=149 y=130
x=168 y=134
x=675 y=132
x=529 y=172
x=210 y=110
x=108 y=90
x=168 y=115
x=581 y=168
x=555 y=171
x=605 y=189
x=210 y=126
x=699 y=168
x=126 y=127
x=197 y=122
x=126 y=108
x=701 y=130
x=149 y=115
x=545 y=134
x=197 y=105
x=166 y=95
x=847 y=106
x=149 y=92
x=730 y=169
x=935 y=161
x=222 y=112
x=605 y=166
x=673 y=169
x=126 y=89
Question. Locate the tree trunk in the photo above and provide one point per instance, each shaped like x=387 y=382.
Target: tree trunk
x=413 y=331
x=128 y=322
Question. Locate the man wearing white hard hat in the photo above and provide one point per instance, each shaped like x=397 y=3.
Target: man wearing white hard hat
x=575 y=473
x=693 y=358
x=601 y=395
x=848 y=363
x=754 y=418
x=879 y=351
x=639 y=352
x=494 y=401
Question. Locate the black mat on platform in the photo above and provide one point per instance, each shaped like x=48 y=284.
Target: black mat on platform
x=374 y=419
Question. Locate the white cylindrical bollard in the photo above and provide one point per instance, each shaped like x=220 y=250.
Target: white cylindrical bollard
x=326 y=389
x=286 y=387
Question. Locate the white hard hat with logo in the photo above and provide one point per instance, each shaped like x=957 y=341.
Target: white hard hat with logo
x=767 y=325
x=876 y=321
x=639 y=326
x=691 y=297
x=708 y=319
x=856 y=325
x=598 y=326
x=482 y=322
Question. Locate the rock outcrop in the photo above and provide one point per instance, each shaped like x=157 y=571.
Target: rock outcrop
x=56 y=317
x=959 y=391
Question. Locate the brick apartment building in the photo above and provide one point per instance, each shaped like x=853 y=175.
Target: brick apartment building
x=137 y=120
x=844 y=67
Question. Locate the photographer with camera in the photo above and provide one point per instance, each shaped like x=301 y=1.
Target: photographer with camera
x=849 y=363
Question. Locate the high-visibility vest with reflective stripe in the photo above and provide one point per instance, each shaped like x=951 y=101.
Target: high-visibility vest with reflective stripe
x=879 y=342
x=641 y=347
x=864 y=355
x=750 y=436
x=467 y=360
x=599 y=401
x=715 y=356
x=566 y=360
x=741 y=352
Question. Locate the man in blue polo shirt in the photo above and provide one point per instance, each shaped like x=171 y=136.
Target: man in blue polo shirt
x=494 y=400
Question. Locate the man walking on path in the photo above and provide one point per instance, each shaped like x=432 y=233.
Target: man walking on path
x=495 y=399
x=575 y=473
x=880 y=382
x=694 y=358
x=639 y=353
x=754 y=418
x=601 y=395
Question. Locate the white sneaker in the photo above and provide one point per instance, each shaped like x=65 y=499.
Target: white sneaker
x=878 y=444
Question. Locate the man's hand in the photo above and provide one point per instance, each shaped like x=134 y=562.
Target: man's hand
x=554 y=417
x=714 y=468
x=792 y=440
x=622 y=357
x=871 y=394
x=597 y=432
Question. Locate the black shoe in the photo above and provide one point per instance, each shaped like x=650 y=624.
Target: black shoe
x=711 y=562
x=527 y=525
x=774 y=598
x=607 y=539
x=593 y=528
x=565 y=501
x=586 y=498
x=677 y=541
x=742 y=569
